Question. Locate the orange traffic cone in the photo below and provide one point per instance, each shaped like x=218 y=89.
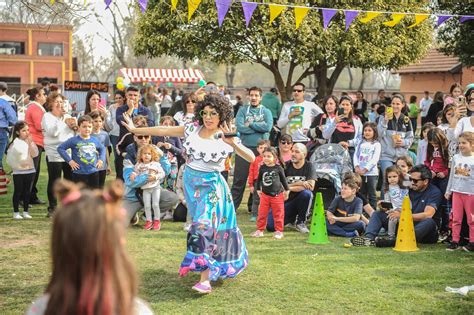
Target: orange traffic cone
x=406 y=240
x=319 y=232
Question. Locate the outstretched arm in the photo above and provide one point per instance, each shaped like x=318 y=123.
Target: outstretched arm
x=177 y=131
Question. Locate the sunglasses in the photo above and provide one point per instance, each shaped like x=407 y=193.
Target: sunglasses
x=204 y=113
x=286 y=142
x=414 y=180
x=190 y=101
x=143 y=137
x=298 y=91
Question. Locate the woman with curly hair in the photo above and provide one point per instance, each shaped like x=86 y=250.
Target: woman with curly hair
x=215 y=246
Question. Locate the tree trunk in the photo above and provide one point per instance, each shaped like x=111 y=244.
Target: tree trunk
x=362 y=80
x=325 y=84
x=230 y=75
x=351 y=78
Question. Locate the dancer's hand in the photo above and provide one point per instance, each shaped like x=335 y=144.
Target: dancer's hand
x=226 y=129
x=128 y=123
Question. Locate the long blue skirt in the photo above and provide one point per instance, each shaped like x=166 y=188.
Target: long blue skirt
x=214 y=241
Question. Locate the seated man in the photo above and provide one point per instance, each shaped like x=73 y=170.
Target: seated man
x=344 y=213
x=425 y=199
x=301 y=178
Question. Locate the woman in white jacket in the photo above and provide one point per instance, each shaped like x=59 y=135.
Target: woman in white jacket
x=57 y=128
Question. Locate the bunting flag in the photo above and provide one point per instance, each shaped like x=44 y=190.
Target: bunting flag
x=369 y=17
x=350 y=16
x=192 y=6
x=222 y=9
x=248 y=8
x=143 y=4
x=418 y=19
x=442 y=19
x=107 y=4
x=52 y=1
x=300 y=14
x=275 y=11
x=174 y=4
x=466 y=18
x=328 y=14
x=396 y=18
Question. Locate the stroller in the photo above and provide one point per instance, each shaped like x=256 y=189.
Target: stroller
x=330 y=161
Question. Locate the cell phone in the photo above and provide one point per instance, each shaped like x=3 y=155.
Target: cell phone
x=340 y=111
x=210 y=89
x=386 y=205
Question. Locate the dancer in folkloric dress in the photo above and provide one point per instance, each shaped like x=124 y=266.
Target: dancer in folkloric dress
x=215 y=246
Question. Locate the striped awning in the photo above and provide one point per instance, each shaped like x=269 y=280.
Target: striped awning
x=162 y=75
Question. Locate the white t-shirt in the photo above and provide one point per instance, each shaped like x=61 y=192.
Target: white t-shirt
x=425 y=106
x=55 y=132
x=298 y=126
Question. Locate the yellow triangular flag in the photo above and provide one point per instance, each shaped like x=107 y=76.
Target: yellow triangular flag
x=174 y=4
x=418 y=19
x=369 y=17
x=52 y=1
x=396 y=18
x=300 y=13
x=192 y=6
x=275 y=11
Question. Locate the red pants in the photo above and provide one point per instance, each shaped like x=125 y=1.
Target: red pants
x=463 y=203
x=277 y=204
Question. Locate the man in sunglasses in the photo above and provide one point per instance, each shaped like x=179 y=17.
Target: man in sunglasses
x=296 y=116
x=425 y=199
x=254 y=123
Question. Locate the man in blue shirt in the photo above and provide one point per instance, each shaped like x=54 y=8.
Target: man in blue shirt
x=7 y=118
x=132 y=108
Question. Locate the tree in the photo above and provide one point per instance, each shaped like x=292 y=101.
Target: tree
x=457 y=38
x=308 y=51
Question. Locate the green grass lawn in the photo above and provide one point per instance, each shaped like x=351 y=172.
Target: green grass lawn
x=286 y=276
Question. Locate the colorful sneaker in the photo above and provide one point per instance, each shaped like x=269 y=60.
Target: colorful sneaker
x=202 y=288
x=257 y=233
x=469 y=248
x=362 y=241
x=253 y=219
x=26 y=215
x=452 y=246
x=278 y=235
x=148 y=225
x=17 y=216
x=156 y=225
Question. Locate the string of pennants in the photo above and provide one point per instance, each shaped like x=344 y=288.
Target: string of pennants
x=301 y=12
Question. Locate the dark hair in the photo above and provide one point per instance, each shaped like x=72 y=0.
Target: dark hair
x=372 y=126
x=446 y=109
x=119 y=92
x=425 y=172
x=359 y=91
x=255 y=88
x=407 y=159
x=428 y=125
x=299 y=83
x=286 y=137
x=273 y=151
x=16 y=129
x=438 y=97
x=437 y=135
x=326 y=99
x=274 y=91
x=413 y=99
x=84 y=118
x=455 y=85
x=211 y=82
x=220 y=104
x=33 y=92
x=351 y=113
x=53 y=88
x=88 y=98
x=373 y=104
x=132 y=88
x=96 y=114
x=263 y=142
x=399 y=172
x=351 y=176
x=439 y=115
x=427 y=92
x=381 y=90
x=185 y=99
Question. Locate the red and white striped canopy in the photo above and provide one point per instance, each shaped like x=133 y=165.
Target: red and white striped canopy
x=162 y=75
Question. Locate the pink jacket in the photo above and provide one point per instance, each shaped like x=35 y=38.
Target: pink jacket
x=33 y=116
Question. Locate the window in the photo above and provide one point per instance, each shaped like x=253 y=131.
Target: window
x=51 y=80
x=12 y=48
x=50 y=49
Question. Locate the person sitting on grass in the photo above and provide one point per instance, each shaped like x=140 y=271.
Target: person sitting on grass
x=91 y=272
x=345 y=211
x=366 y=207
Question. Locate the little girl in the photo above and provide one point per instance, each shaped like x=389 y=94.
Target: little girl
x=423 y=143
x=270 y=185
x=437 y=160
x=461 y=188
x=394 y=193
x=21 y=152
x=148 y=158
x=405 y=163
x=366 y=157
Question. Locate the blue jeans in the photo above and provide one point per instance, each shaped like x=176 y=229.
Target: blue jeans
x=3 y=144
x=296 y=209
x=384 y=164
x=425 y=230
x=345 y=229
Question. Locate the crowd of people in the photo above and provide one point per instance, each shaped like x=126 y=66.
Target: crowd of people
x=174 y=159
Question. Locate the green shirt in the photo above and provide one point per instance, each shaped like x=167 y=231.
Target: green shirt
x=414 y=110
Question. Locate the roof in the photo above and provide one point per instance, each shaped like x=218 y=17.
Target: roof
x=162 y=75
x=434 y=61
x=38 y=27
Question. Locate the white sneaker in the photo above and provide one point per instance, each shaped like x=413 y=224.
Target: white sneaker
x=187 y=227
x=168 y=216
x=17 y=216
x=302 y=228
x=27 y=215
x=278 y=235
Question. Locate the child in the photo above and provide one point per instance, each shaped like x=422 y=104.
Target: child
x=394 y=193
x=253 y=175
x=270 y=185
x=366 y=157
x=87 y=154
x=405 y=163
x=373 y=112
x=423 y=143
x=21 y=152
x=172 y=147
x=148 y=162
x=103 y=136
x=366 y=207
x=461 y=189
x=437 y=160
x=343 y=215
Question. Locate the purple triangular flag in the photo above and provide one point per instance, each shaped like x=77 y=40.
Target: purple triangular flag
x=350 y=16
x=328 y=14
x=442 y=19
x=222 y=9
x=248 y=7
x=143 y=4
x=107 y=4
x=466 y=18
